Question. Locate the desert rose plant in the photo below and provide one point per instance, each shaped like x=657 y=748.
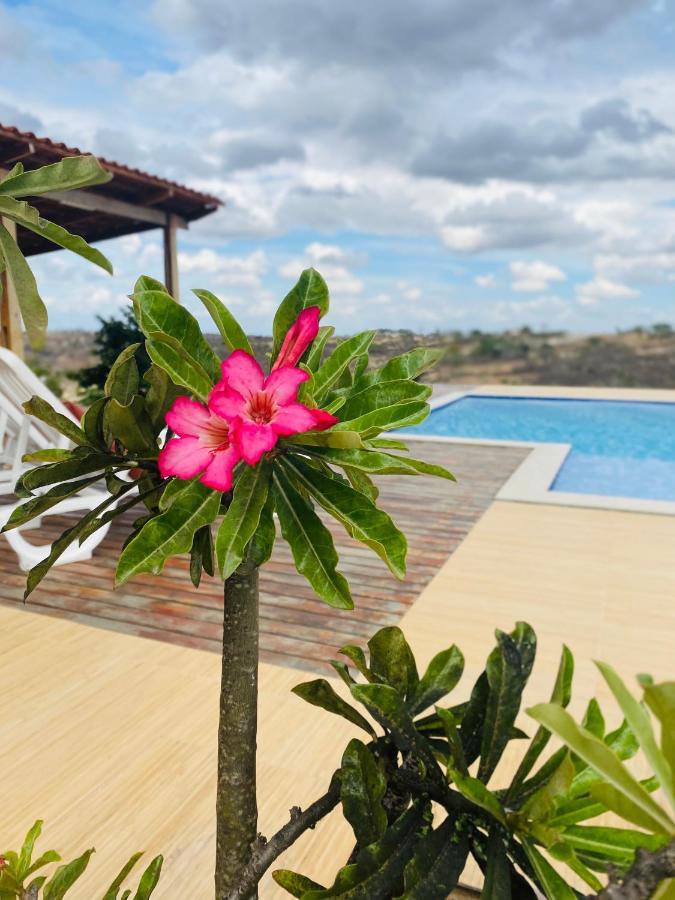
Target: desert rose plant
x=223 y=449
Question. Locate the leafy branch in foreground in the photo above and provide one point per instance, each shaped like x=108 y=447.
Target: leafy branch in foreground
x=18 y=878
x=533 y=834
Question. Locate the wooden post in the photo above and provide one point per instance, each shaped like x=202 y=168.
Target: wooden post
x=171 y=256
x=11 y=335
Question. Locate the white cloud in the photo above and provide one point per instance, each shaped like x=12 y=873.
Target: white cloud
x=463 y=238
x=600 y=288
x=224 y=269
x=486 y=281
x=530 y=277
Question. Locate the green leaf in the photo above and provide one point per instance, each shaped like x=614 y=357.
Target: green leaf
x=311 y=544
x=318 y=346
x=71 y=172
x=378 y=867
x=358 y=657
x=392 y=661
x=39 y=505
x=346 y=440
x=441 y=677
x=330 y=371
x=160 y=395
x=408 y=365
x=201 y=555
x=65 y=876
x=597 y=755
x=310 y=290
x=387 y=707
x=362 y=787
x=262 y=543
x=73 y=242
x=438 y=862
x=617 y=845
x=161 y=318
x=169 y=533
x=638 y=721
x=553 y=885
x=661 y=700
x=26 y=853
x=148 y=283
x=507 y=672
x=231 y=331
x=357 y=513
x=33 y=310
x=386 y=418
x=113 y=890
x=456 y=757
x=362 y=483
x=386 y=444
x=475 y=791
x=562 y=692
x=377 y=463
x=149 y=879
x=130 y=424
x=542 y=802
x=242 y=517
x=497 y=883
x=579 y=810
x=123 y=378
x=180 y=367
x=46 y=456
x=381 y=395
x=51 y=473
x=40 y=409
x=296 y=885
x=593 y=720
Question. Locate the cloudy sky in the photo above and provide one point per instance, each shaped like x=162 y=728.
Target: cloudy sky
x=445 y=163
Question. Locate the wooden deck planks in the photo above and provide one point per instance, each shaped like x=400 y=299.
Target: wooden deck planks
x=297 y=630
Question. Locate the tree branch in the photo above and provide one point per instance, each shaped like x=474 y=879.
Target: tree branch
x=644 y=876
x=264 y=852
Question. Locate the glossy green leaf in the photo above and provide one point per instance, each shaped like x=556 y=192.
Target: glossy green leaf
x=593 y=720
x=231 y=331
x=33 y=310
x=392 y=661
x=377 y=463
x=616 y=845
x=381 y=395
x=386 y=418
x=310 y=290
x=358 y=657
x=408 y=365
x=123 y=378
x=542 y=802
x=71 y=172
x=386 y=444
x=475 y=791
x=456 y=757
x=66 y=876
x=41 y=409
x=441 y=677
x=357 y=513
x=574 y=811
x=387 y=707
x=160 y=395
x=161 y=318
x=51 y=473
x=130 y=424
x=562 y=693
x=169 y=533
x=39 y=505
x=438 y=861
x=362 y=788
x=113 y=890
x=262 y=543
x=242 y=517
x=362 y=483
x=311 y=544
x=26 y=852
x=637 y=718
x=296 y=885
x=318 y=346
x=73 y=242
x=201 y=555
x=661 y=700
x=149 y=879
x=564 y=852
x=46 y=456
x=148 y=283
x=497 y=883
x=507 y=671
x=334 y=366
x=597 y=755
x=342 y=440
x=180 y=367
x=553 y=885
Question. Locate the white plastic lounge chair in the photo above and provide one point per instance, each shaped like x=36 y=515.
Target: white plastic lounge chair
x=19 y=434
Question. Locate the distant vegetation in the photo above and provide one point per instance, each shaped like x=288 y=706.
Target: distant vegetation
x=639 y=357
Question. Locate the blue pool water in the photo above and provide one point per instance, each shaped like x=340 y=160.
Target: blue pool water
x=620 y=449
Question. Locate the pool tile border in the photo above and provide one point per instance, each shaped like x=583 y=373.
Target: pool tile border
x=532 y=480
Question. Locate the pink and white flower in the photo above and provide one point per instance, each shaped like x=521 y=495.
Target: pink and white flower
x=263 y=409
x=204 y=443
x=298 y=337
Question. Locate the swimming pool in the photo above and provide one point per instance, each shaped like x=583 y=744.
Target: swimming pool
x=616 y=448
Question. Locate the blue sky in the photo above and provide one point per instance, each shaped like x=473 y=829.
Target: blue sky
x=448 y=164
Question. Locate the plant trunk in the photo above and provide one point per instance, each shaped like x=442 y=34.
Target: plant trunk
x=236 y=808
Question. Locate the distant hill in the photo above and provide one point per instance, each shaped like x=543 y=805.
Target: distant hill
x=636 y=358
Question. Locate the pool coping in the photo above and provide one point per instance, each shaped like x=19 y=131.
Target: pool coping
x=531 y=481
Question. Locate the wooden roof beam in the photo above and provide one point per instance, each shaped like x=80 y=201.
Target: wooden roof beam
x=92 y=202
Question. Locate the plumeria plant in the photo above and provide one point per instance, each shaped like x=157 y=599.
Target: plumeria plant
x=219 y=450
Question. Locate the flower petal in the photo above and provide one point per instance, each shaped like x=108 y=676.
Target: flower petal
x=242 y=373
x=298 y=337
x=293 y=418
x=282 y=385
x=323 y=420
x=187 y=417
x=218 y=473
x=226 y=403
x=184 y=457
x=253 y=440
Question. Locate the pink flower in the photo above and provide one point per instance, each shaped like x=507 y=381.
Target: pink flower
x=205 y=443
x=298 y=337
x=263 y=408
